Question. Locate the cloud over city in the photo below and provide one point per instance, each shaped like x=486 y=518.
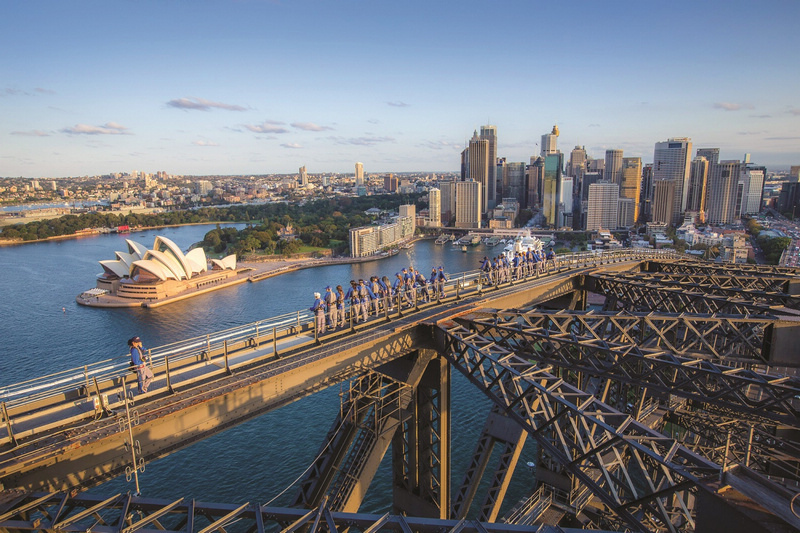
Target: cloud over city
x=201 y=104
x=204 y=143
x=268 y=126
x=293 y=146
x=398 y=103
x=309 y=126
x=31 y=133
x=362 y=141
x=109 y=128
x=731 y=106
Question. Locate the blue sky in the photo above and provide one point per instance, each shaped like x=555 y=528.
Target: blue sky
x=256 y=87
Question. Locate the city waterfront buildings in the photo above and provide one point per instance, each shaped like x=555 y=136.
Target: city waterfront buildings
x=370 y=240
x=468 y=204
x=602 y=206
x=671 y=162
x=434 y=207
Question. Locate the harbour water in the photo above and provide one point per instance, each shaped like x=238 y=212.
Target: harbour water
x=43 y=330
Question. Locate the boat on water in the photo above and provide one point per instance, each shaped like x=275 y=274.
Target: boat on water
x=407 y=246
x=493 y=241
x=474 y=240
x=441 y=239
x=523 y=242
x=463 y=247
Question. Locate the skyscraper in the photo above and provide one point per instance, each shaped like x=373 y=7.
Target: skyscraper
x=448 y=201
x=721 y=192
x=489 y=133
x=434 y=207
x=550 y=142
x=468 y=204
x=478 y=166
x=533 y=182
x=646 y=193
x=631 y=183
x=303 y=176
x=551 y=188
x=671 y=161
x=601 y=210
x=698 y=182
x=711 y=155
x=577 y=163
x=663 y=201
x=754 y=188
x=514 y=182
x=359 y=174
x=613 y=166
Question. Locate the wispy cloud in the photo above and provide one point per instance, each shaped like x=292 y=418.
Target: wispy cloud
x=398 y=103
x=109 y=128
x=374 y=121
x=41 y=90
x=268 y=126
x=204 y=143
x=760 y=116
x=362 y=141
x=731 y=106
x=201 y=104
x=750 y=132
x=439 y=145
x=594 y=125
x=309 y=126
x=794 y=111
x=293 y=146
x=32 y=133
x=782 y=138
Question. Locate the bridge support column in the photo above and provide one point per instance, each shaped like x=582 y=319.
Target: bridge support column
x=421 y=447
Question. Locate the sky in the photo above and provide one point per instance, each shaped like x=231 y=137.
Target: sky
x=201 y=87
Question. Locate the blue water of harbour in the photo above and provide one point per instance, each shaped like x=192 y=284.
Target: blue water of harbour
x=43 y=331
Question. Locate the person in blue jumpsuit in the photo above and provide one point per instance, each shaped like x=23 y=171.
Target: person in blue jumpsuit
x=441 y=278
x=139 y=361
x=318 y=308
x=355 y=300
x=486 y=268
x=330 y=303
x=399 y=287
x=387 y=292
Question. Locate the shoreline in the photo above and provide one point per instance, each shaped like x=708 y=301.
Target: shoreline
x=248 y=271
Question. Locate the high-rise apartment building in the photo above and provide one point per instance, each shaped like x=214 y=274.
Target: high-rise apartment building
x=753 y=190
x=468 y=204
x=303 y=176
x=671 y=161
x=489 y=134
x=663 y=203
x=721 y=192
x=359 y=174
x=630 y=186
x=434 y=207
x=478 y=166
x=698 y=182
x=565 y=202
x=626 y=212
x=390 y=183
x=602 y=206
x=646 y=194
x=613 y=166
x=550 y=142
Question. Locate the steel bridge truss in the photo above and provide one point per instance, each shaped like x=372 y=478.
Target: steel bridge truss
x=646 y=479
x=606 y=346
x=124 y=513
x=722 y=269
x=643 y=292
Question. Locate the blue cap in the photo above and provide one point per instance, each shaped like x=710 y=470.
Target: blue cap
x=328 y=288
x=404 y=269
x=397 y=273
x=441 y=268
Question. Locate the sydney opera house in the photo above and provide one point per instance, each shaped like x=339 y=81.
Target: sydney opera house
x=161 y=272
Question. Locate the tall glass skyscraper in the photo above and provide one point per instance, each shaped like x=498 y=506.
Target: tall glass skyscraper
x=671 y=161
x=489 y=133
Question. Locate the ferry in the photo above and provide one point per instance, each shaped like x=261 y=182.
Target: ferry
x=441 y=239
x=523 y=242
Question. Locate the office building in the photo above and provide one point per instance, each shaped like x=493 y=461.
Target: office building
x=753 y=190
x=448 y=201
x=369 y=240
x=577 y=163
x=698 y=183
x=550 y=142
x=646 y=193
x=721 y=192
x=434 y=208
x=513 y=179
x=565 y=202
x=303 y=176
x=711 y=155
x=671 y=161
x=468 y=204
x=662 y=205
x=613 y=167
x=489 y=134
x=478 y=166
x=390 y=183
x=551 y=187
x=602 y=206
x=533 y=182
x=626 y=213
x=359 y=174
x=630 y=186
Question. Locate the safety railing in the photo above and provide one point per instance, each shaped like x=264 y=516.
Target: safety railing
x=15 y=396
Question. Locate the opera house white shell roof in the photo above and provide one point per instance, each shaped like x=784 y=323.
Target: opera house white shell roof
x=164 y=261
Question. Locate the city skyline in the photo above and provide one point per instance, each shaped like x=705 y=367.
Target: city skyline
x=264 y=87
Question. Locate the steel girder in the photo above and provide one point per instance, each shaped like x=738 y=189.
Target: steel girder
x=710 y=287
x=645 y=478
x=636 y=295
x=739 y=338
x=727 y=280
x=739 y=389
x=124 y=513
x=724 y=269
